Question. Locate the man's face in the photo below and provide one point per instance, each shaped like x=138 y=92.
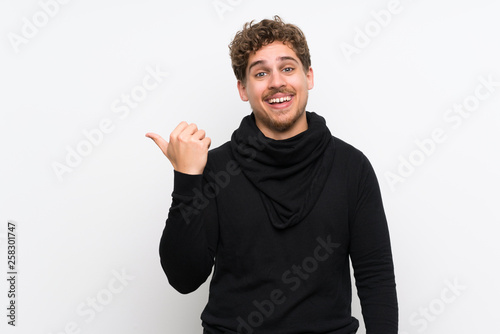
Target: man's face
x=277 y=87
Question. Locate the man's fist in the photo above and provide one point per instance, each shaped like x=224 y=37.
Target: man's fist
x=187 y=149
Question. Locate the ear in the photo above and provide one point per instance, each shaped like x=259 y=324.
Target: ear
x=243 y=91
x=310 y=78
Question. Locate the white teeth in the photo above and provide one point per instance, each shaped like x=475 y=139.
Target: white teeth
x=280 y=100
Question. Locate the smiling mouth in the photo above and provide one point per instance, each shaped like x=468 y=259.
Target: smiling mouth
x=279 y=100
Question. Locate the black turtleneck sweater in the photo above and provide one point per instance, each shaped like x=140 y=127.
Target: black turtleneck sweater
x=280 y=220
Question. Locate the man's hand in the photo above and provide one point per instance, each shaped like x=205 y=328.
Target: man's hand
x=187 y=150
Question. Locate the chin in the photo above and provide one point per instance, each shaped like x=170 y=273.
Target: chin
x=282 y=124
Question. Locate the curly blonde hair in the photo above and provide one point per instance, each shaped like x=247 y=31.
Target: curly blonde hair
x=256 y=35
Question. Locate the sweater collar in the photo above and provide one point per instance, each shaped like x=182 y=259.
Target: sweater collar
x=290 y=173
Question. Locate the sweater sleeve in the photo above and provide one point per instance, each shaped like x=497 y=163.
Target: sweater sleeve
x=188 y=243
x=371 y=256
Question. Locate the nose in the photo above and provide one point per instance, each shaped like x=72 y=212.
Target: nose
x=277 y=80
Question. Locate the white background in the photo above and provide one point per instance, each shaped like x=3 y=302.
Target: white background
x=76 y=232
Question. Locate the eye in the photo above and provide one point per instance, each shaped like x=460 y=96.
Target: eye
x=260 y=74
x=288 y=69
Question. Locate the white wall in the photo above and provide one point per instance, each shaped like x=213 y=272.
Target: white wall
x=79 y=230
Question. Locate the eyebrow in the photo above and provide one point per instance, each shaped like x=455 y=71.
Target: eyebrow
x=260 y=62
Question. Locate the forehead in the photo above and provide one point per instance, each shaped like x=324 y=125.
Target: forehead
x=274 y=52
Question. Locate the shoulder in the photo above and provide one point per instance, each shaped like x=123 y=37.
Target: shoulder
x=359 y=173
x=348 y=154
x=220 y=152
x=219 y=156
x=353 y=162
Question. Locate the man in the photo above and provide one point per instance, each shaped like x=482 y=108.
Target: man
x=279 y=209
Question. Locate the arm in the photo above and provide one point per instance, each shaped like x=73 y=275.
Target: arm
x=371 y=255
x=187 y=246
x=188 y=243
